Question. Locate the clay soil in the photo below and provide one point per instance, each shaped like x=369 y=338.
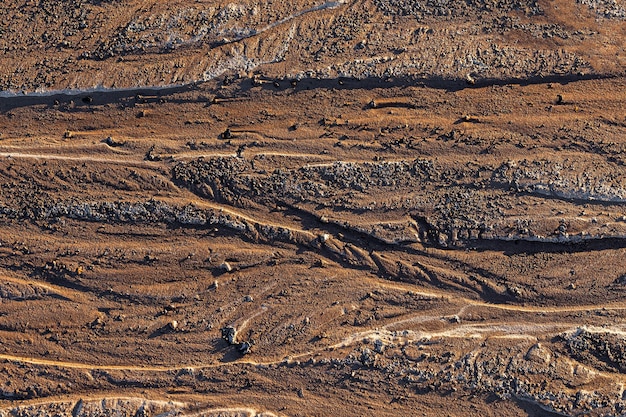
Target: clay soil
x=398 y=241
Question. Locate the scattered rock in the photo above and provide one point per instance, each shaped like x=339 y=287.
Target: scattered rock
x=113 y=143
x=227 y=134
x=229 y=334
x=379 y=346
x=244 y=347
x=367 y=358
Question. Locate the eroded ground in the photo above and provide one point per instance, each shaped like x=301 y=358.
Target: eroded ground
x=347 y=208
x=382 y=247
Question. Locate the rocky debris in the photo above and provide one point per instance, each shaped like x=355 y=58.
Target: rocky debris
x=116 y=49
x=92 y=408
x=367 y=358
x=598 y=348
x=527 y=371
x=229 y=333
x=231 y=179
x=474 y=204
x=22 y=292
x=151 y=155
x=225 y=267
x=447 y=9
x=591 y=178
x=227 y=134
x=112 y=142
x=188 y=27
x=379 y=346
x=609 y=9
x=244 y=347
x=449 y=205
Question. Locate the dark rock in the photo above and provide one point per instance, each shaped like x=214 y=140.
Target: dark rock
x=244 y=347
x=229 y=334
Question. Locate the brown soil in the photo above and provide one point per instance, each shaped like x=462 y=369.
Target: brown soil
x=390 y=240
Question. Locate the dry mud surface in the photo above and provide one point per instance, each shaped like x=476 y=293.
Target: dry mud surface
x=371 y=208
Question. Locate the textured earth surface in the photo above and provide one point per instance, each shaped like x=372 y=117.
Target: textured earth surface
x=371 y=208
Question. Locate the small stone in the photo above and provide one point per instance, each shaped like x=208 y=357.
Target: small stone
x=226 y=268
x=173 y=325
x=248 y=299
x=319 y=263
x=379 y=346
x=244 y=348
x=367 y=357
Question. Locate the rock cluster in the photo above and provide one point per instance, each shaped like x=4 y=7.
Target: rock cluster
x=453 y=9
x=473 y=204
x=526 y=371
x=599 y=348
